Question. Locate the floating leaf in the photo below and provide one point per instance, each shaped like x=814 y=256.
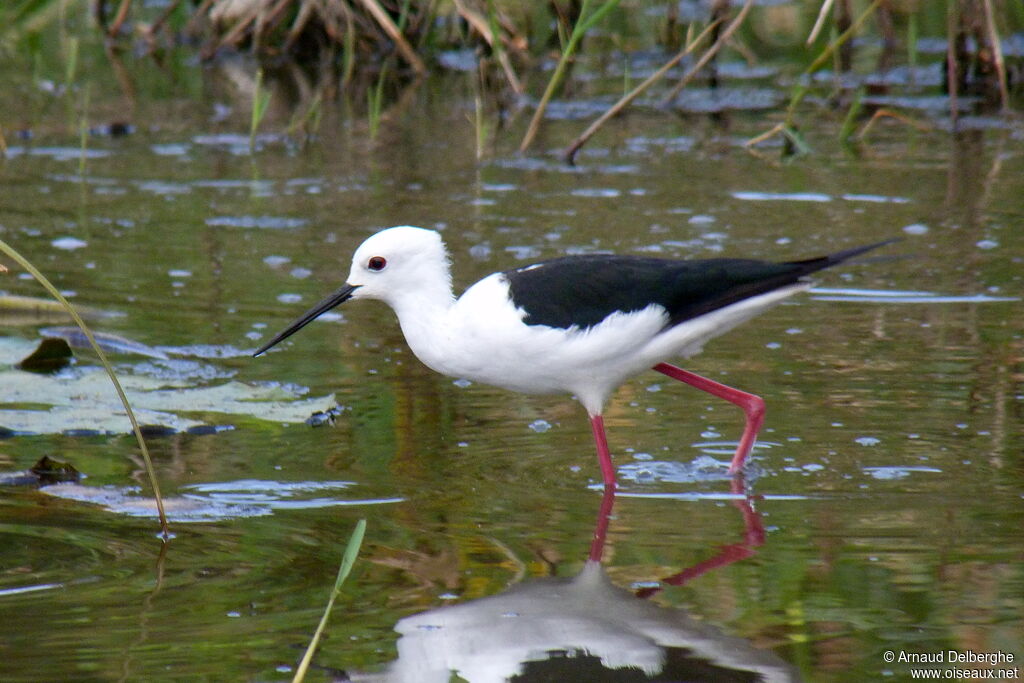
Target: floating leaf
x=165 y=397
x=111 y=343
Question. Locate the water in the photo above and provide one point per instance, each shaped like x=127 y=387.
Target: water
x=887 y=485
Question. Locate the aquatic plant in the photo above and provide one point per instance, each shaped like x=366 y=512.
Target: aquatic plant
x=55 y=293
x=583 y=24
x=348 y=559
x=260 y=102
x=376 y=48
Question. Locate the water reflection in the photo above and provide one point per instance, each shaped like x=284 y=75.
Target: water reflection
x=584 y=628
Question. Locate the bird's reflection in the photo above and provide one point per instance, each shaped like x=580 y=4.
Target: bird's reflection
x=583 y=628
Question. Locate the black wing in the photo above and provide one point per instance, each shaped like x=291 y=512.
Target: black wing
x=584 y=290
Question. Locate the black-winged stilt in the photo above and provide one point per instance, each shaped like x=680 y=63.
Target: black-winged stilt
x=577 y=324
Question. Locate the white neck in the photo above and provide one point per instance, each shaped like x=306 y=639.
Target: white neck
x=423 y=314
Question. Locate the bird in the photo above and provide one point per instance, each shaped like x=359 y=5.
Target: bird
x=579 y=324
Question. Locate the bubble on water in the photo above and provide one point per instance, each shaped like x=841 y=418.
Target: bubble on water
x=597 y=192
x=867 y=441
x=260 y=222
x=986 y=244
x=69 y=243
x=890 y=473
x=915 y=229
x=540 y=426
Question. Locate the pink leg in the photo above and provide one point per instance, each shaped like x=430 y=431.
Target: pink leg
x=753 y=407
x=601 y=528
x=604 y=457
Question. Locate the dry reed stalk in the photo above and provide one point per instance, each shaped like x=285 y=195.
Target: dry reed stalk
x=997 y=54
x=579 y=29
x=952 y=67
x=888 y=113
x=389 y=26
x=481 y=26
x=119 y=18
x=162 y=19
x=819 y=23
x=201 y=11
x=626 y=100
x=707 y=56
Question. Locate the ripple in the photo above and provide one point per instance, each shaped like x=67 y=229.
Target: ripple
x=889 y=473
x=263 y=222
x=215 y=501
x=902 y=296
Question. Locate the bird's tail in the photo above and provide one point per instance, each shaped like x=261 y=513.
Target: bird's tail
x=821 y=262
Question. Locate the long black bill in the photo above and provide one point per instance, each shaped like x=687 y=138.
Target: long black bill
x=339 y=297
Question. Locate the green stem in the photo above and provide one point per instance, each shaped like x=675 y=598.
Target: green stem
x=579 y=30
x=347 y=560
x=24 y=263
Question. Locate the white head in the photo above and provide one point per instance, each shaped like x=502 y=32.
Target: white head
x=396 y=262
x=399 y=266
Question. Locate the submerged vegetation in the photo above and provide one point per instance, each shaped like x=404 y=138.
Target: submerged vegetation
x=851 y=54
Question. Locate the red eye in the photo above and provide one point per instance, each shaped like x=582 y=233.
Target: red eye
x=377 y=263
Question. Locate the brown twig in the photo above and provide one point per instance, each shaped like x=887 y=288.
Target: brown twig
x=615 y=109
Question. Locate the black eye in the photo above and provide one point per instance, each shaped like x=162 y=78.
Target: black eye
x=376 y=263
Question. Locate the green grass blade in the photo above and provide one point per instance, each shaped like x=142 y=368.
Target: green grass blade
x=801 y=89
x=24 y=263
x=850 y=121
x=347 y=560
x=260 y=102
x=583 y=24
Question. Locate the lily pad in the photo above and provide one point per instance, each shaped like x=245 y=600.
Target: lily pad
x=82 y=400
